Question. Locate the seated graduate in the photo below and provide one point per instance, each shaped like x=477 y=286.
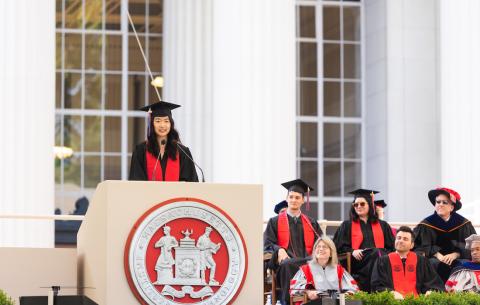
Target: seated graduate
x=466 y=277
x=322 y=273
x=290 y=236
x=441 y=236
x=161 y=157
x=404 y=272
x=365 y=236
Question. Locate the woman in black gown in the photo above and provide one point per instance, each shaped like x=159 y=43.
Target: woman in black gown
x=161 y=157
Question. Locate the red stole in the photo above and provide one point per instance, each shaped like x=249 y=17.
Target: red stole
x=404 y=281
x=357 y=235
x=283 y=232
x=172 y=171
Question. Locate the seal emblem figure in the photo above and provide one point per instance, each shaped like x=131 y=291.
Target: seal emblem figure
x=185 y=250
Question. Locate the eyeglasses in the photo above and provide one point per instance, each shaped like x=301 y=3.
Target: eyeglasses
x=323 y=247
x=362 y=204
x=445 y=202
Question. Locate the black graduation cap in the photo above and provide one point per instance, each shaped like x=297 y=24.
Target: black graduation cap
x=279 y=206
x=297 y=185
x=381 y=203
x=363 y=192
x=160 y=109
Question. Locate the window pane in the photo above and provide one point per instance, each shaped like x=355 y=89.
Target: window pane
x=73 y=14
x=73 y=90
x=309 y=173
x=113 y=9
x=136 y=91
x=308 y=97
x=306 y=21
x=152 y=94
x=112 y=168
x=58 y=130
x=58 y=171
x=155 y=54
x=58 y=13
x=155 y=13
x=353 y=99
x=351 y=61
x=93 y=91
x=58 y=50
x=72 y=170
x=331 y=23
x=136 y=132
x=72 y=132
x=135 y=57
x=93 y=14
x=113 y=52
x=93 y=52
x=332 y=210
x=92 y=171
x=73 y=51
x=308 y=59
x=331 y=99
x=308 y=140
x=347 y=206
x=113 y=128
x=58 y=90
x=93 y=133
x=331 y=179
x=352 y=140
x=351 y=23
x=331 y=140
x=353 y=176
x=331 y=60
x=138 y=11
x=313 y=211
x=113 y=92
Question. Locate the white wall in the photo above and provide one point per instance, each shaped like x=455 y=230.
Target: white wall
x=27 y=99
x=403 y=135
x=232 y=65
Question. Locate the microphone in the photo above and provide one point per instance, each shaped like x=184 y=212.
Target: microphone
x=163 y=142
x=185 y=153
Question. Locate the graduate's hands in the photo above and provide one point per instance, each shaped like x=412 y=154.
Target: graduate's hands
x=312 y=294
x=428 y=293
x=449 y=258
x=282 y=255
x=397 y=295
x=439 y=256
x=358 y=254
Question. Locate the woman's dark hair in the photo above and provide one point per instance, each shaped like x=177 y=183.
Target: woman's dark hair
x=371 y=209
x=172 y=138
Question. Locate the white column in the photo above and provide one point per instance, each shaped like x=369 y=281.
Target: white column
x=27 y=95
x=460 y=101
x=232 y=65
x=403 y=135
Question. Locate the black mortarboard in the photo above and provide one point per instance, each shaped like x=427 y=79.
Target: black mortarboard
x=297 y=185
x=363 y=192
x=160 y=109
x=279 y=206
x=381 y=203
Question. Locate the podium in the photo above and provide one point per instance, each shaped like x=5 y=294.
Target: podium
x=128 y=244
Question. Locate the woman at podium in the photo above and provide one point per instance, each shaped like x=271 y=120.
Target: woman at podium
x=161 y=157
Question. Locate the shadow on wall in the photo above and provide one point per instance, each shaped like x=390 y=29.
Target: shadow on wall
x=66 y=230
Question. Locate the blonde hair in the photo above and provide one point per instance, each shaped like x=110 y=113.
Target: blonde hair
x=333 y=260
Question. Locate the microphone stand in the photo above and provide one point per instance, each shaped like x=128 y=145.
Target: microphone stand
x=185 y=153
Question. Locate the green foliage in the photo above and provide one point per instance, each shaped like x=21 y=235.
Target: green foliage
x=5 y=299
x=436 y=298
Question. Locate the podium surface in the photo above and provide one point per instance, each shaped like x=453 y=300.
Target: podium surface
x=114 y=223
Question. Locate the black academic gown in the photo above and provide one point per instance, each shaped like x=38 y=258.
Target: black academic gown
x=362 y=269
x=138 y=165
x=427 y=278
x=296 y=250
x=433 y=235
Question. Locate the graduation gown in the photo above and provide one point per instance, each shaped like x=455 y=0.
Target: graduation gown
x=433 y=235
x=465 y=277
x=426 y=277
x=138 y=165
x=296 y=250
x=362 y=269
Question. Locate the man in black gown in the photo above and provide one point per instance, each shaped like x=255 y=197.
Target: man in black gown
x=290 y=236
x=404 y=272
x=364 y=236
x=441 y=236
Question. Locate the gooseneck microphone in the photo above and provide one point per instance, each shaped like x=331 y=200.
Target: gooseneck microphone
x=163 y=142
x=190 y=158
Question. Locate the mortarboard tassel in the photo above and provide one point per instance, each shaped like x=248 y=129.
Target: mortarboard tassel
x=308 y=199
x=373 y=202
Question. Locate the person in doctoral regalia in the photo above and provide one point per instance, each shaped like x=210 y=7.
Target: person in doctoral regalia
x=162 y=157
x=322 y=273
x=290 y=236
x=466 y=277
x=441 y=236
x=365 y=236
x=404 y=272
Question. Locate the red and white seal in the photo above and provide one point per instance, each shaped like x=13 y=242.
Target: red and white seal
x=185 y=251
